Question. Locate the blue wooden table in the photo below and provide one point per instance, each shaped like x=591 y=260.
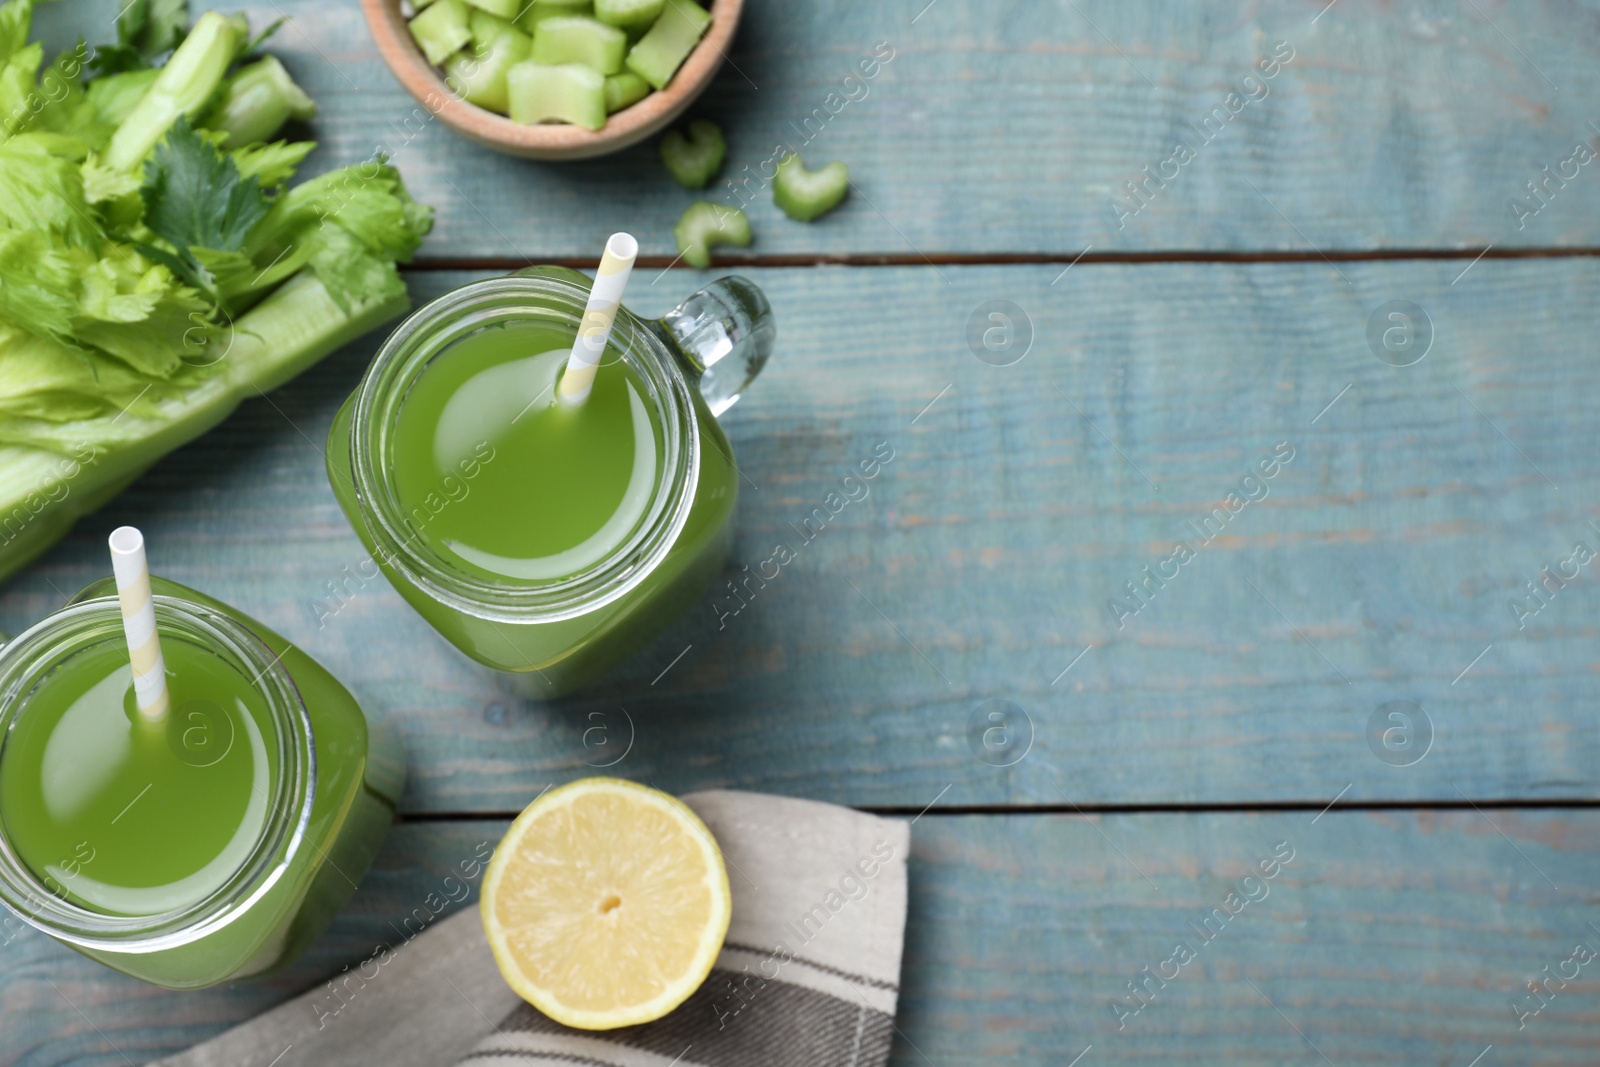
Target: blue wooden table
x=1197 y=220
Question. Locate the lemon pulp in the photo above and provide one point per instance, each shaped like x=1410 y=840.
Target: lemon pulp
x=606 y=903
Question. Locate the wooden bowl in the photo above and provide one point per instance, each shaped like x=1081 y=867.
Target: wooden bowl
x=549 y=141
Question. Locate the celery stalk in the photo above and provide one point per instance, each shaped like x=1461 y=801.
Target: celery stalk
x=256 y=101
x=274 y=341
x=185 y=85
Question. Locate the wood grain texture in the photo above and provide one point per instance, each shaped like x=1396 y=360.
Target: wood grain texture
x=1380 y=567
x=1009 y=127
x=1389 y=938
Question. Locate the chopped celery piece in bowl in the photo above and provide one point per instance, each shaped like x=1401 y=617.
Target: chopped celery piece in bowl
x=442 y=29
x=635 y=16
x=536 y=11
x=504 y=9
x=487 y=28
x=479 y=73
x=567 y=92
x=624 y=90
x=580 y=40
x=664 y=47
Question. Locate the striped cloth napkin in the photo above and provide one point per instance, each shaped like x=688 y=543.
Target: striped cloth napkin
x=808 y=975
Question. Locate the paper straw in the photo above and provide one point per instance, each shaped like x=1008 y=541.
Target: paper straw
x=139 y=622
x=595 y=330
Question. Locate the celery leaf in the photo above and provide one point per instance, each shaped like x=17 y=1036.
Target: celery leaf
x=151 y=27
x=16 y=18
x=38 y=284
x=41 y=189
x=271 y=164
x=195 y=197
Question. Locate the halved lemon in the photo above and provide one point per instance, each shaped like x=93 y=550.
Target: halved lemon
x=606 y=903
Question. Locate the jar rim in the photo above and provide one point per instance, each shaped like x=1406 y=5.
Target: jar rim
x=428 y=332
x=88 y=623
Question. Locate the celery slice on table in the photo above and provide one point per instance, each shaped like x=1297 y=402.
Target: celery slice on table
x=693 y=160
x=506 y=9
x=804 y=194
x=442 y=30
x=479 y=73
x=186 y=84
x=255 y=102
x=661 y=51
x=635 y=16
x=536 y=11
x=569 y=92
x=705 y=224
x=624 y=90
x=578 y=39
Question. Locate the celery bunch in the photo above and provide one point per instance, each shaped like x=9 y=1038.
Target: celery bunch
x=155 y=267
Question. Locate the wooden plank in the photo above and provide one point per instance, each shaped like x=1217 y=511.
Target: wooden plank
x=1381 y=566
x=994 y=131
x=1389 y=938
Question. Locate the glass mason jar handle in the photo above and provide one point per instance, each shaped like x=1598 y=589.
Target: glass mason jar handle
x=724 y=333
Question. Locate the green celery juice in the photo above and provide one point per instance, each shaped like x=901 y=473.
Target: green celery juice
x=547 y=539
x=210 y=845
x=125 y=817
x=506 y=481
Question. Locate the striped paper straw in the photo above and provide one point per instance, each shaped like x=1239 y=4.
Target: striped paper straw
x=595 y=330
x=139 y=622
